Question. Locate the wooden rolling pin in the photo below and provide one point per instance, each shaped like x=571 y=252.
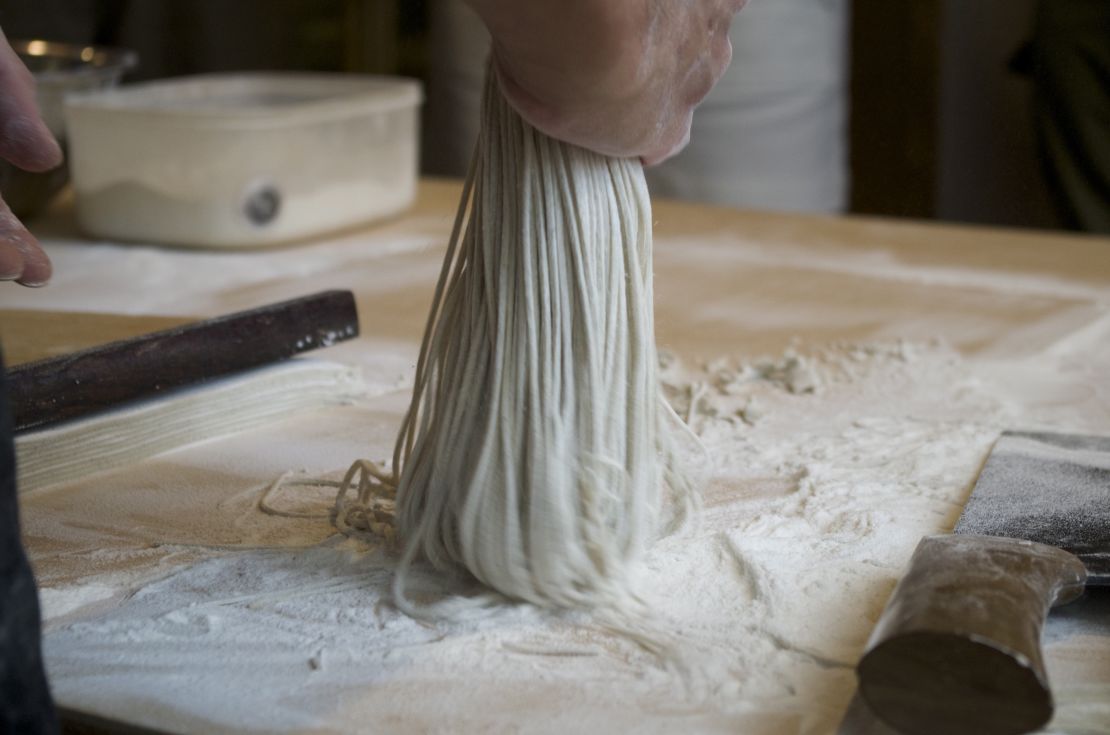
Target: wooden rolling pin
x=67 y=387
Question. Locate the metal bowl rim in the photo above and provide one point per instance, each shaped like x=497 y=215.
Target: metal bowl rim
x=103 y=58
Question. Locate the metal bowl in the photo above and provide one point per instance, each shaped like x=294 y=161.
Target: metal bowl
x=59 y=69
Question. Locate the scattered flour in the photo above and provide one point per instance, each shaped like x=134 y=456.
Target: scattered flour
x=827 y=464
x=57 y=602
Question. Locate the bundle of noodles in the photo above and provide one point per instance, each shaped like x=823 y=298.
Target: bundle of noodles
x=533 y=453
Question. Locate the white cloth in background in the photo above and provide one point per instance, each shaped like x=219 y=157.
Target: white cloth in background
x=771 y=135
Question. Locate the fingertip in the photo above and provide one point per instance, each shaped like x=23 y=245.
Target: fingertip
x=52 y=154
x=37 y=270
x=672 y=144
x=27 y=143
x=21 y=257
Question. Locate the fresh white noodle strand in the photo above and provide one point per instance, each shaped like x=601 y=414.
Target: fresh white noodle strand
x=534 y=452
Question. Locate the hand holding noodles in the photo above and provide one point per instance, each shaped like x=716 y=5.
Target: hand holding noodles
x=534 y=451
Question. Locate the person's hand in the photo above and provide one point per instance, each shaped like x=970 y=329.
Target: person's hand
x=621 y=77
x=25 y=142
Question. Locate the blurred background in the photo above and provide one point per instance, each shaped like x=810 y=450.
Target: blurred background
x=930 y=109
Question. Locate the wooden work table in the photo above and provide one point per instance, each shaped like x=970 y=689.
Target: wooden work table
x=729 y=284
x=108 y=287
x=110 y=293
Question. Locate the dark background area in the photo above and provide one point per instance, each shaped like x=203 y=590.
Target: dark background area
x=941 y=123
x=942 y=118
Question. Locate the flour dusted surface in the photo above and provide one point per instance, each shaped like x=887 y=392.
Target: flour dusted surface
x=823 y=492
x=813 y=503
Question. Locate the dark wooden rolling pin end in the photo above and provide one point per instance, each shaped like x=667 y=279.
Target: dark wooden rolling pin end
x=957 y=649
x=81 y=383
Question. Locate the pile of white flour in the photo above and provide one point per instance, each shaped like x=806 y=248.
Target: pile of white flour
x=826 y=465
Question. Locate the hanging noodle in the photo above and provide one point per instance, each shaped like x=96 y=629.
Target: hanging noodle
x=533 y=453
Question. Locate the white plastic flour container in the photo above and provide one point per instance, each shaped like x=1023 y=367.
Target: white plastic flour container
x=242 y=160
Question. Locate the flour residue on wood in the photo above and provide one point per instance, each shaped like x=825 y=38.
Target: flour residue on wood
x=821 y=468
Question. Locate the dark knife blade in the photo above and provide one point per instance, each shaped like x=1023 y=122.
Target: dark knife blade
x=1050 y=488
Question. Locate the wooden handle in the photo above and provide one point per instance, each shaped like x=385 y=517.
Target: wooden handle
x=67 y=387
x=958 y=647
x=76 y=722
